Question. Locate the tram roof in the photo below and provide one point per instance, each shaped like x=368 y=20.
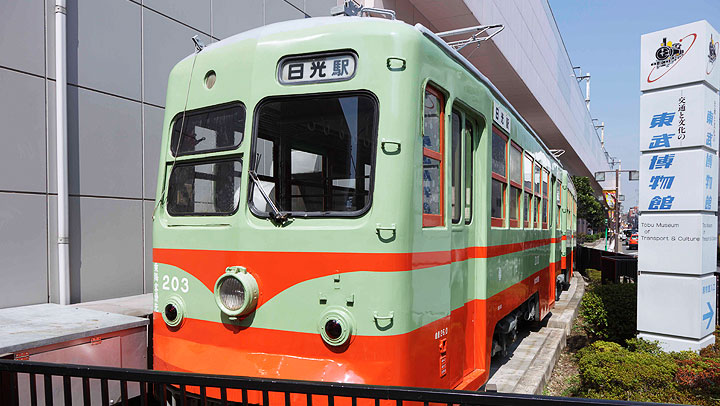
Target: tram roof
x=306 y=23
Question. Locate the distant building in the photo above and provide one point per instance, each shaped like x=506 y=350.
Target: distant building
x=632 y=218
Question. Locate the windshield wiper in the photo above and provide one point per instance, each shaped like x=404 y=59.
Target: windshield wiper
x=277 y=216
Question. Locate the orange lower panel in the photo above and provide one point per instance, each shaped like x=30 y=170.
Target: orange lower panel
x=205 y=347
x=411 y=359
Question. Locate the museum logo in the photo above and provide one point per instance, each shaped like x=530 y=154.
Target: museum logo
x=668 y=55
x=712 y=54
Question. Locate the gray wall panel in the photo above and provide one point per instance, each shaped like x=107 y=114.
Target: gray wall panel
x=52 y=247
x=104 y=145
x=106 y=250
x=278 y=10
x=23 y=249
x=165 y=44
x=153 y=136
x=195 y=13
x=234 y=16
x=319 y=8
x=22 y=38
x=22 y=112
x=112 y=152
x=103 y=46
x=147 y=231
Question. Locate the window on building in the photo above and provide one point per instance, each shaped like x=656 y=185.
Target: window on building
x=433 y=134
x=527 y=182
x=516 y=180
x=457 y=197
x=206 y=130
x=469 y=146
x=545 y=180
x=499 y=178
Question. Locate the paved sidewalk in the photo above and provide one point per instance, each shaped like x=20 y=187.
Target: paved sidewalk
x=600 y=244
x=533 y=356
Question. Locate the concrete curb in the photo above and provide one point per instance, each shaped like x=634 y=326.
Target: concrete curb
x=531 y=363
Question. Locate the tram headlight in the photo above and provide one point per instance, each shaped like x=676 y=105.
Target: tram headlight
x=174 y=311
x=236 y=292
x=336 y=326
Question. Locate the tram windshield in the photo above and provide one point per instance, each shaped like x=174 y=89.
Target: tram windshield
x=314 y=155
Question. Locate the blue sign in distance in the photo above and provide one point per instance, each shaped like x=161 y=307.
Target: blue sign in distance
x=709 y=315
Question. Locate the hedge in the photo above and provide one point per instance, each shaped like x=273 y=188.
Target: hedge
x=610 y=312
x=641 y=371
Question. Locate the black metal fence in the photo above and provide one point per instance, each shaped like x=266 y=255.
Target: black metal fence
x=615 y=267
x=31 y=383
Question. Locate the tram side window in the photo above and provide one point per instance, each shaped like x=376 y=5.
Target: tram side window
x=559 y=203
x=468 y=170
x=527 y=183
x=538 y=195
x=515 y=184
x=207 y=130
x=433 y=134
x=499 y=178
x=456 y=164
x=545 y=179
x=209 y=188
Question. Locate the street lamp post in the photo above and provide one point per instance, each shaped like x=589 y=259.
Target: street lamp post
x=600 y=177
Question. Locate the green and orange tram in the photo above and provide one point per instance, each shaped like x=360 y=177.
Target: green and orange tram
x=348 y=199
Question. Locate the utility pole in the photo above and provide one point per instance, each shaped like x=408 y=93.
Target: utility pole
x=600 y=177
x=617 y=208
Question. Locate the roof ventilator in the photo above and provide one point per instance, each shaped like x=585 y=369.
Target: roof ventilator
x=475 y=38
x=557 y=153
x=351 y=8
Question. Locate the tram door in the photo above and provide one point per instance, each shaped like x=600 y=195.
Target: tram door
x=462 y=145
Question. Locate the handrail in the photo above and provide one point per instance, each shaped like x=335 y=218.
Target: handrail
x=149 y=379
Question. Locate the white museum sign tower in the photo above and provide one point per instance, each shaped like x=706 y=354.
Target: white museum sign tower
x=678 y=186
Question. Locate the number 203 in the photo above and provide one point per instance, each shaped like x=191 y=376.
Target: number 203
x=175 y=284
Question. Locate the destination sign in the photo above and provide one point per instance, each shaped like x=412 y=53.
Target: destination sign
x=316 y=69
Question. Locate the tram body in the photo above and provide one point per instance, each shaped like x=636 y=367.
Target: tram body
x=404 y=239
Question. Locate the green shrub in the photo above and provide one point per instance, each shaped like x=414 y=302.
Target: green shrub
x=610 y=371
x=610 y=311
x=595 y=276
x=640 y=345
x=643 y=372
x=582 y=238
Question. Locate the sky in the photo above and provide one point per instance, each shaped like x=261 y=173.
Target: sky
x=603 y=38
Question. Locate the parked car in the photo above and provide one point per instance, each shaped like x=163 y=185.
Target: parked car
x=633 y=242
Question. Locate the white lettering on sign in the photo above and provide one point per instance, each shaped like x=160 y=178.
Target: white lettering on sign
x=315 y=69
x=501 y=116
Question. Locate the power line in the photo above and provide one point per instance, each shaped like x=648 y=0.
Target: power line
x=296 y=8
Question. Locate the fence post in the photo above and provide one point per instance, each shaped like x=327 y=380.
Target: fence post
x=8 y=388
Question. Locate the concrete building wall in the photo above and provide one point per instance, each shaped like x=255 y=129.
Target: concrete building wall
x=532 y=44
x=119 y=55
x=528 y=63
